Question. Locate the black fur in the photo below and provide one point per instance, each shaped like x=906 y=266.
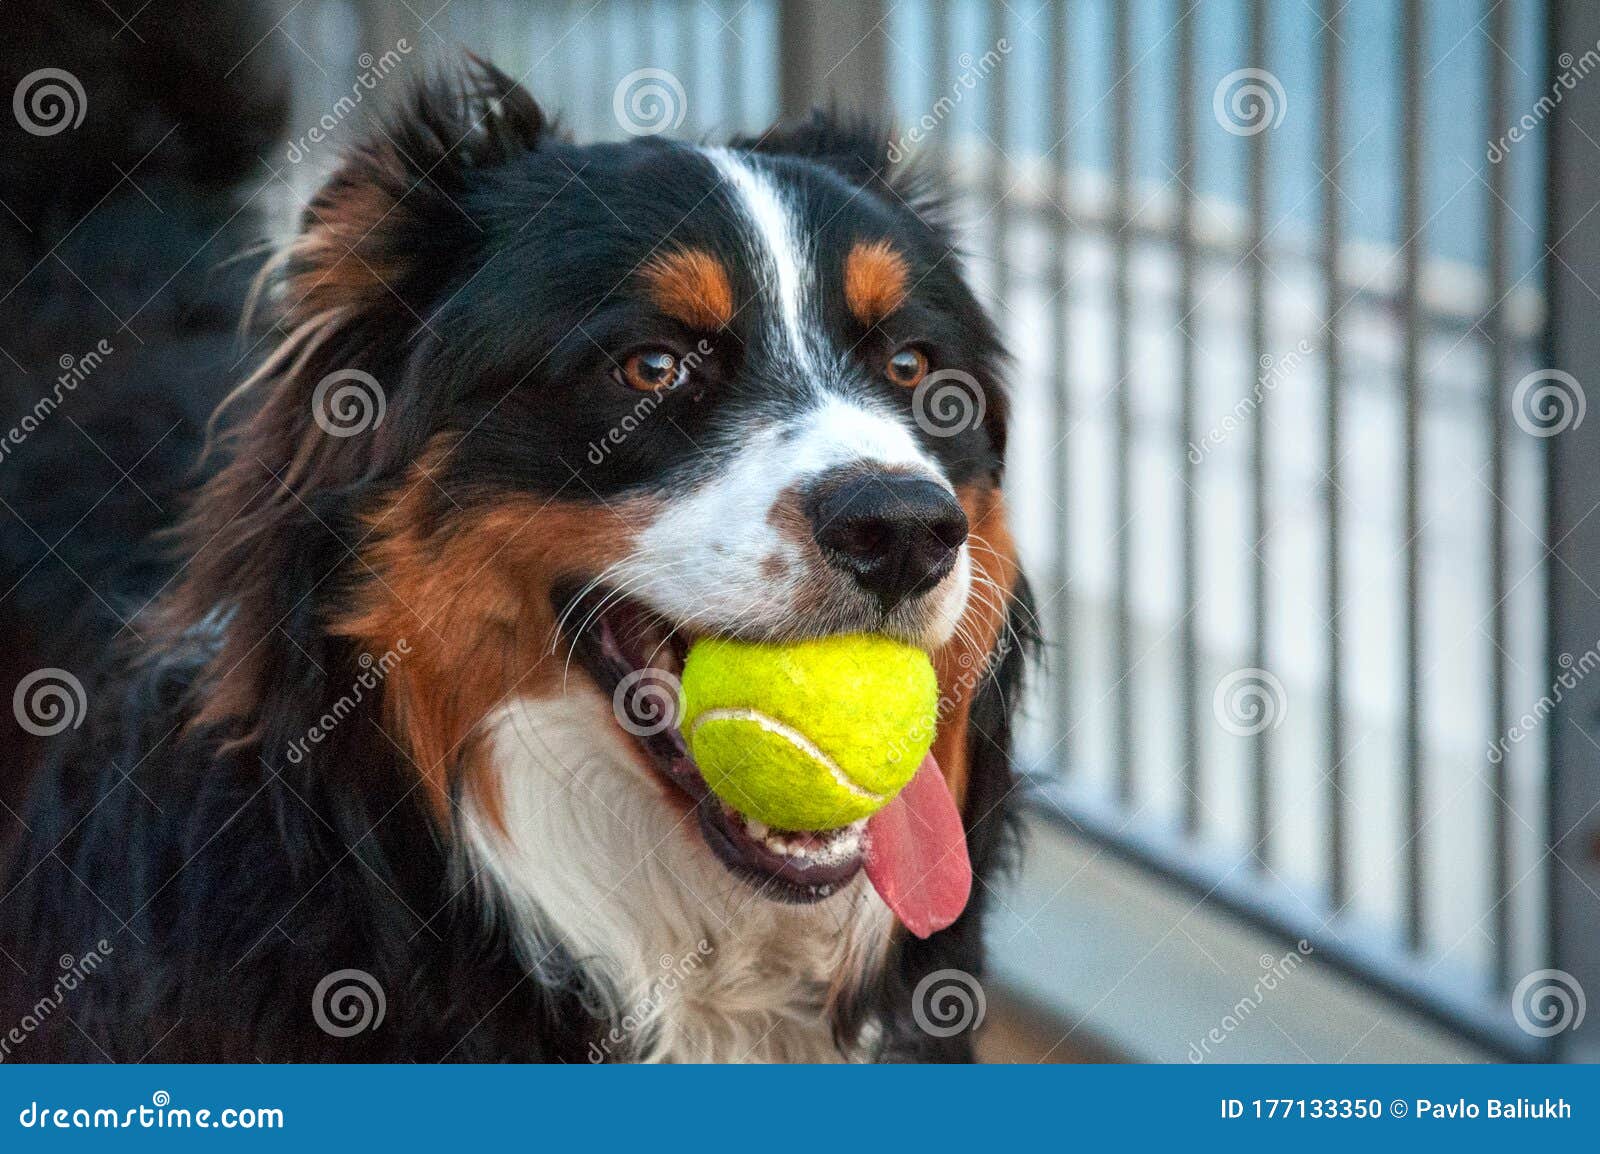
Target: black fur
x=224 y=880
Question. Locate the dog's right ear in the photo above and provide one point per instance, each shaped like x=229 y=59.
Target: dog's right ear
x=389 y=221
x=381 y=244
x=341 y=404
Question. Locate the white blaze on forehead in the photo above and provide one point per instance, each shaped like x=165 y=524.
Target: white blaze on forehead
x=787 y=270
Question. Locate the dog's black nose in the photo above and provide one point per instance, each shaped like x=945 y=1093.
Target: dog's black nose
x=897 y=535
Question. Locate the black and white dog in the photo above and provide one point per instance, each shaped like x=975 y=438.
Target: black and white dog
x=355 y=772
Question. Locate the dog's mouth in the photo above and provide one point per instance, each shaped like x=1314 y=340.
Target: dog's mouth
x=635 y=656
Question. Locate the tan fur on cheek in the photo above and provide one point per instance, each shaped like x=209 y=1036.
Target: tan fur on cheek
x=964 y=662
x=471 y=597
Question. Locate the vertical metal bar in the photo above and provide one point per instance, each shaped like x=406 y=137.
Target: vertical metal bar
x=1188 y=641
x=1333 y=496
x=735 y=45
x=1059 y=341
x=837 y=57
x=687 y=19
x=1122 y=366
x=1573 y=831
x=1414 y=246
x=1499 y=366
x=939 y=70
x=1261 y=749
x=999 y=170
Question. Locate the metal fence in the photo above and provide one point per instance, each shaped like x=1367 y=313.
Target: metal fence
x=1282 y=437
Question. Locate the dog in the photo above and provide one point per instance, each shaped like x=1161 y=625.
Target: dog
x=367 y=617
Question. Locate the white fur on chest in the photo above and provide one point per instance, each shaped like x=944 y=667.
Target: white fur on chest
x=686 y=962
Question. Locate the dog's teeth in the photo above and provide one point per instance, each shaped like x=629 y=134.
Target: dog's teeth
x=755 y=829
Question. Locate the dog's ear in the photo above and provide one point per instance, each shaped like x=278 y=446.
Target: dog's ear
x=380 y=246
x=853 y=144
x=342 y=403
x=389 y=221
x=863 y=151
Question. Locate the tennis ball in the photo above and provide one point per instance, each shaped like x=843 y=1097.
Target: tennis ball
x=811 y=735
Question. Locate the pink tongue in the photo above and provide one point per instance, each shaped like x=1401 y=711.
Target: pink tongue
x=917 y=854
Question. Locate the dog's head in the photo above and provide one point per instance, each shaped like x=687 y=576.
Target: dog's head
x=542 y=414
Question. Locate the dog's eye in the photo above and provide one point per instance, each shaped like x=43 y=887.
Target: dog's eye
x=652 y=370
x=907 y=367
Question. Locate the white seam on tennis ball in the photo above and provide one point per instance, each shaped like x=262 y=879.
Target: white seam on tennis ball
x=799 y=740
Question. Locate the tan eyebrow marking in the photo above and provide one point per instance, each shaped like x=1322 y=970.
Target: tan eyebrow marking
x=691 y=285
x=875 y=278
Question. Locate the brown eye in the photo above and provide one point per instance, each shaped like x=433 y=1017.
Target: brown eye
x=907 y=367
x=651 y=370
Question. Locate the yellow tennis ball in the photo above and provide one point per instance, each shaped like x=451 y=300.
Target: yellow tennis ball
x=811 y=735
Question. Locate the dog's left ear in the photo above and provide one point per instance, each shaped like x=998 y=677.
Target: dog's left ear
x=862 y=150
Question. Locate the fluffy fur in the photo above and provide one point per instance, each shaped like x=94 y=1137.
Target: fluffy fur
x=345 y=716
